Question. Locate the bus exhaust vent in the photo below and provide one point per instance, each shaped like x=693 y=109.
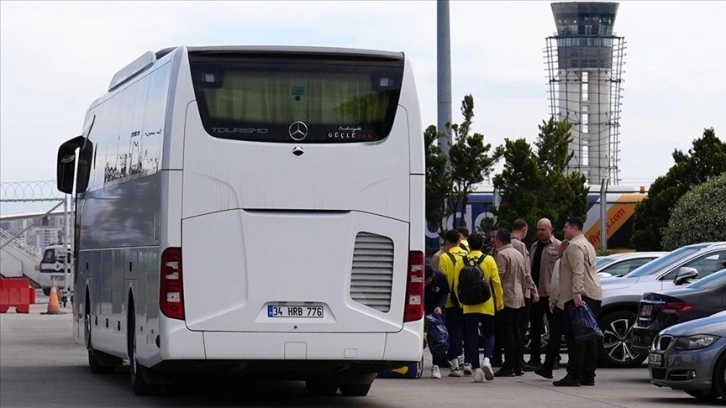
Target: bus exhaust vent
x=372 y=276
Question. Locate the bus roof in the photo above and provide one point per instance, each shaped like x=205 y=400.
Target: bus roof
x=298 y=50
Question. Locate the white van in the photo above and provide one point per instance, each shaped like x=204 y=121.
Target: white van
x=53 y=267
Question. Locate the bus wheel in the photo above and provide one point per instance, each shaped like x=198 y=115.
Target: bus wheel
x=136 y=375
x=100 y=363
x=321 y=388
x=355 y=390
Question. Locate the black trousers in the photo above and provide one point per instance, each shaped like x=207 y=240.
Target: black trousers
x=512 y=338
x=537 y=312
x=553 y=346
x=582 y=357
x=524 y=318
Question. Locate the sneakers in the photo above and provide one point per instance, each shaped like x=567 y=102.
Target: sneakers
x=467 y=369
x=456 y=373
x=478 y=375
x=435 y=372
x=487 y=368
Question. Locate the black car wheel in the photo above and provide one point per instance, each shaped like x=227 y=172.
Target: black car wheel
x=719 y=376
x=703 y=395
x=618 y=350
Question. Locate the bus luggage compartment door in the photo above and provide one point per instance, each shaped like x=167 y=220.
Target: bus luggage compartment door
x=286 y=271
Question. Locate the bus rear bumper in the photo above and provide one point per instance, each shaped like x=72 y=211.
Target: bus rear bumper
x=180 y=343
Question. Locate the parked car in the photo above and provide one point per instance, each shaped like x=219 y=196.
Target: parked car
x=621 y=264
x=658 y=311
x=622 y=296
x=691 y=357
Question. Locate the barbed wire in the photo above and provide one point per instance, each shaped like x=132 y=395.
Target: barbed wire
x=30 y=190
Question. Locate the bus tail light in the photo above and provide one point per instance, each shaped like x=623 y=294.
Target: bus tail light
x=171 y=296
x=415 y=287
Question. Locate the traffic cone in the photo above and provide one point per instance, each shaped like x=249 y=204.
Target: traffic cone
x=53 y=304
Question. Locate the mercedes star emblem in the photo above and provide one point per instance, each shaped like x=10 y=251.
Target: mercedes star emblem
x=298 y=130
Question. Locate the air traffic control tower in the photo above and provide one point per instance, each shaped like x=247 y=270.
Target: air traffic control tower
x=584 y=66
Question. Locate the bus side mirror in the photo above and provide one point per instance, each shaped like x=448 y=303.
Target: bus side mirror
x=66 y=164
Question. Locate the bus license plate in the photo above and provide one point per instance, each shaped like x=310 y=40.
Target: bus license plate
x=304 y=311
x=655 y=360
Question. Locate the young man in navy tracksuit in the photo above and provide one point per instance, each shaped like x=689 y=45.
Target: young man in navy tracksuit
x=436 y=292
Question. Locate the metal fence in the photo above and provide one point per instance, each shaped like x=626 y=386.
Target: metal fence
x=33 y=214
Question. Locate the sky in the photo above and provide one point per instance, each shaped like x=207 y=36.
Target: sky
x=57 y=57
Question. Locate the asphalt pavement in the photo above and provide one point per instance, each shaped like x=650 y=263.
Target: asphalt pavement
x=42 y=366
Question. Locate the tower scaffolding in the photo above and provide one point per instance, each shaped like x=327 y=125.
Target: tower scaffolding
x=584 y=62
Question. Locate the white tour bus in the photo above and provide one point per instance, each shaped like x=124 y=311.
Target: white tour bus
x=253 y=209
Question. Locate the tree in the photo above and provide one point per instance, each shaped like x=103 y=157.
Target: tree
x=438 y=180
x=519 y=183
x=565 y=195
x=698 y=216
x=705 y=159
x=469 y=158
x=534 y=185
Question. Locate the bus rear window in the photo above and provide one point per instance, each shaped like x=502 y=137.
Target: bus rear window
x=288 y=99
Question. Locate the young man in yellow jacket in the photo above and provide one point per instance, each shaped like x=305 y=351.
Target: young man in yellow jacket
x=482 y=313
x=450 y=264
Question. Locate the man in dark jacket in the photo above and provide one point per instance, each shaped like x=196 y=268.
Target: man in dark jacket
x=435 y=294
x=436 y=291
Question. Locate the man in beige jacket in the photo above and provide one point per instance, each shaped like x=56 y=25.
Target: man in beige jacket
x=579 y=284
x=529 y=288
x=512 y=266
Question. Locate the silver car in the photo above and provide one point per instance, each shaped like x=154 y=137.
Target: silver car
x=621 y=296
x=621 y=264
x=691 y=356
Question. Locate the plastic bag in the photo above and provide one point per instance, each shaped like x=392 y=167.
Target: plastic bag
x=437 y=336
x=584 y=324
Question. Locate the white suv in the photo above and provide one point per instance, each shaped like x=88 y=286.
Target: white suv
x=621 y=296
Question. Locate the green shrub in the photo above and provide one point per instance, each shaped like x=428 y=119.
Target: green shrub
x=698 y=216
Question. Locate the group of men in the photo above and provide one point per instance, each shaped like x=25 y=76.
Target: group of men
x=548 y=279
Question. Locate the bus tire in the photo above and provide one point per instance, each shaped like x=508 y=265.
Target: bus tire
x=99 y=362
x=136 y=370
x=355 y=390
x=321 y=388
